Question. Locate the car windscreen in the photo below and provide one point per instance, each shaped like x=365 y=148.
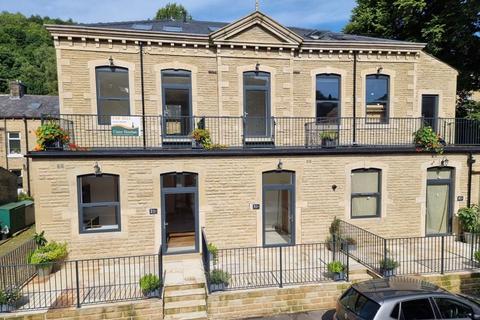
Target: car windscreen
x=357 y=303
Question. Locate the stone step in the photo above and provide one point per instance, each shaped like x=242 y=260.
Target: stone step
x=183 y=295
x=359 y=277
x=200 y=315
x=181 y=257
x=181 y=307
x=186 y=286
x=357 y=271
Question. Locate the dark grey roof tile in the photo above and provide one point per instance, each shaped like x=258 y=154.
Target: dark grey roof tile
x=30 y=106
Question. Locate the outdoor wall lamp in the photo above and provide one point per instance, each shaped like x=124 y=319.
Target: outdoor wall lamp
x=97 y=170
x=444 y=162
x=334 y=187
x=257 y=67
x=280 y=164
x=380 y=69
x=111 y=61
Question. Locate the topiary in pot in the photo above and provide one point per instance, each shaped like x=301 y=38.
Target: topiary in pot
x=213 y=252
x=46 y=257
x=150 y=284
x=469 y=218
x=349 y=243
x=219 y=280
x=8 y=299
x=337 y=269
x=329 y=139
x=388 y=267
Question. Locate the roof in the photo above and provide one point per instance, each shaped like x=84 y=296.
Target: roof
x=205 y=28
x=29 y=106
x=383 y=289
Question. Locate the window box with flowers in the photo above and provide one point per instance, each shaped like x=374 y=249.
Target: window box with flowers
x=426 y=139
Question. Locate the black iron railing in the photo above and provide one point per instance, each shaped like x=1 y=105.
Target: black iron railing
x=93 y=132
x=411 y=255
x=82 y=282
x=18 y=256
x=278 y=266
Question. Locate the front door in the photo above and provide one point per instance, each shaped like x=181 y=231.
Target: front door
x=257 y=106
x=439 y=201
x=179 y=212
x=430 y=110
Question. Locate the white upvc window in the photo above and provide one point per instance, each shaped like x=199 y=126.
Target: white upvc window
x=14 y=146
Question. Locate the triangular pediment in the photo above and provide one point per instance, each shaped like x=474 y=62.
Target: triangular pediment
x=256 y=29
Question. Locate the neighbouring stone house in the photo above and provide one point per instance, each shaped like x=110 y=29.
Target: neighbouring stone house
x=20 y=116
x=305 y=124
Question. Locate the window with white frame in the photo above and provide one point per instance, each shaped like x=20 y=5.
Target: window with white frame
x=14 y=147
x=366 y=193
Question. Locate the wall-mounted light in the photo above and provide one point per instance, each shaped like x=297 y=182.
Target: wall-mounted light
x=279 y=164
x=380 y=69
x=334 y=187
x=444 y=162
x=111 y=62
x=257 y=67
x=97 y=170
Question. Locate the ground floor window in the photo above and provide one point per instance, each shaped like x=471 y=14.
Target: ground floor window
x=99 y=203
x=366 y=193
x=278 y=207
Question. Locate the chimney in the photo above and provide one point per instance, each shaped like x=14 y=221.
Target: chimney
x=17 y=89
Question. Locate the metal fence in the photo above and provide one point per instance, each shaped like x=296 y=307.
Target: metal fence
x=19 y=256
x=277 y=266
x=412 y=255
x=83 y=282
x=95 y=132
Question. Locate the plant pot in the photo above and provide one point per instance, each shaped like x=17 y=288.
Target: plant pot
x=7 y=308
x=152 y=294
x=218 y=286
x=53 y=145
x=468 y=237
x=328 y=143
x=44 y=270
x=350 y=247
x=388 y=273
x=338 y=276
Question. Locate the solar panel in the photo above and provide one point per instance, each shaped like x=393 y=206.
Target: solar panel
x=142 y=26
x=172 y=28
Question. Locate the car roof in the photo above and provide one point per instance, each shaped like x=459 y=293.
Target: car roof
x=394 y=288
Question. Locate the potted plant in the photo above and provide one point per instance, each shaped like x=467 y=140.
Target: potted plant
x=50 y=136
x=388 y=267
x=8 y=299
x=335 y=226
x=337 y=269
x=329 y=139
x=212 y=252
x=202 y=138
x=150 y=285
x=470 y=221
x=219 y=280
x=426 y=139
x=46 y=257
x=349 y=244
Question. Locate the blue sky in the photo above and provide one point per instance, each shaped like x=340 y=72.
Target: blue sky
x=321 y=14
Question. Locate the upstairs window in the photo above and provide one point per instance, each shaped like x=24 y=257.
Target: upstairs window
x=327 y=97
x=99 y=203
x=113 y=94
x=14 y=148
x=366 y=193
x=377 y=98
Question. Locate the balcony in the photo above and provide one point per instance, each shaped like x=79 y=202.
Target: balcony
x=95 y=133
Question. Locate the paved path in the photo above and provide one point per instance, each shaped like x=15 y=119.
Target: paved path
x=313 y=315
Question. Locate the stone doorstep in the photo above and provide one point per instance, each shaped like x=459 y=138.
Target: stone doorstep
x=181 y=287
x=181 y=307
x=200 y=315
x=182 y=295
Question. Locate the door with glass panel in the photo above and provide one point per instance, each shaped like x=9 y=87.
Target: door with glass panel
x=439 y=201
x=430 y=110
x=257 y=106
x=278 y=208
x=177 y=105
x=179 y=212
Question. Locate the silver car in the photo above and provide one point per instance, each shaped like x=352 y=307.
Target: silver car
x=403 y=298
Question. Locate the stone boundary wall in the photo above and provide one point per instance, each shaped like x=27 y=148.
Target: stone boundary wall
x=146 y=310
x=464 y=282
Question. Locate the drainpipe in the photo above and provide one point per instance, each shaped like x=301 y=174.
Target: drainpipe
x=6 y=142
x=354 y=128
x=470 y=162
x=27 y=148
x=143 y=96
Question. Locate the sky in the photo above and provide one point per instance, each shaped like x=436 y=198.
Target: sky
x=319 y=14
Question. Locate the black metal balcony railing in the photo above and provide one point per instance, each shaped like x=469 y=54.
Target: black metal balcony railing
x=89 y=132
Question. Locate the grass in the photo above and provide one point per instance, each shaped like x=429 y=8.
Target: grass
x=14 y=242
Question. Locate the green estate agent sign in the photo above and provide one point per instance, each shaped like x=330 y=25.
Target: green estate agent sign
x=126 y=126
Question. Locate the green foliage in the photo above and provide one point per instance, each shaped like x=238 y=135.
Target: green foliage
x=40 y=239
x=335 y=267
x=428 y=140
x=328 y=135
x=173 y=11
x=51 y=252
x=335 y=226
x=202 y=136
x=477 y=256
x=9 y=296
x=27 y=53
x=449 y=27
x=218 y=276
x=213 y=250
x=23 y=196
x=469 y=109
x=469 y=217
x=50 y=132
x=388 y=264
x=149 y=283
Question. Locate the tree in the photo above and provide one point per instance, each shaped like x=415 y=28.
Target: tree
x=173 y=11
x=27 y=53
x=451 y=29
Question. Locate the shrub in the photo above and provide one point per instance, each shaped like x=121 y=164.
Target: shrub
x=213 y=250
x=328 y=135
x=51 y=252
x=219 y=276
x=388 y=264
x=50 y=132
x=335 y=226
x=335 y=267
x=149 y=283
x=23 y=196
x=469 y=218
x=9 y=296
x=40 y=239
x=428 y=140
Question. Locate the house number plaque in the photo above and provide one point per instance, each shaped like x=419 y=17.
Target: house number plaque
x=255 y=206
x=153 y=211
x=459 y=198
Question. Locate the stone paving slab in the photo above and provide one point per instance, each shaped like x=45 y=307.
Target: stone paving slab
x=312 y=315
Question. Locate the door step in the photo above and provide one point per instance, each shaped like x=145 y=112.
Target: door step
x=201 y=315
x=185 y=301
